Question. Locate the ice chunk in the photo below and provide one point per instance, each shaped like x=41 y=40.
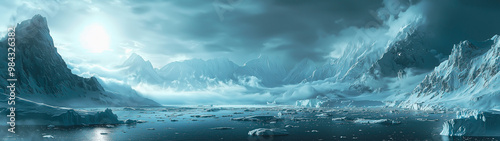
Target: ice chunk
x=339 y=119
x=473 y=123
x=222 y=128
x=257 y=118
x=268 y=132
x=202 y=116
x=130 y=121
x=48 y=136
x=324 y=115
x=376 y=121
x=71 y=117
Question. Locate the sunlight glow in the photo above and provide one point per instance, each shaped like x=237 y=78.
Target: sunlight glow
x=95 y=38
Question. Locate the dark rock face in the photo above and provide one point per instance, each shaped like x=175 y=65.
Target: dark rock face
x=409 y=52
x=39 y=68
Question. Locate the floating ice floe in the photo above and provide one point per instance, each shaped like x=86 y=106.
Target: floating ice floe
x=257 y=118
x=472 y=123
x=130 y=121
x=301 y=119
x=376 y=121
x=222 y=128
x=424 y=119
x=268 y=132
x=324 y=115
x=48 y=136
x=202 y=116
x=339 y=119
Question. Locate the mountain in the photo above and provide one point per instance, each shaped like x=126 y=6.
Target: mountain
x=43 y=76
x=268 y=71
x=137 y=70
x=468 y=79
x=407 y=52
x=301 y=72
x=197 y=73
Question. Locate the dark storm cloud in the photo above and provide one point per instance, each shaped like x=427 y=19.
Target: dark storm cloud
x=247 y=26
x=451 y=21
x=244 y=29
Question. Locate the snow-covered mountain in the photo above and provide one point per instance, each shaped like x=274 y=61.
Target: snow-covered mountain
x=197 y=73
x=43 y=76
x=268 y=71
x=302 y=72
x=468 y=79
x=137 y=70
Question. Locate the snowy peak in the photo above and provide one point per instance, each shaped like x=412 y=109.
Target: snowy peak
x=462 y=53
x=135 y=60
x=139 y=70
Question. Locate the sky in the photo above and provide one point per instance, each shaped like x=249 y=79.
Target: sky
x=105 y=33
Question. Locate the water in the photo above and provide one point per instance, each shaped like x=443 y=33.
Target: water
x=176 y=123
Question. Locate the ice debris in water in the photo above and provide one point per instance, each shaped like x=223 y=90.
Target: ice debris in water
x=257 y=118
x=222 y=128
x=268 y=132
x=376 y=121
x=48 y=136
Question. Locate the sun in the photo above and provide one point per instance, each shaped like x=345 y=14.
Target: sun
x=94 y=38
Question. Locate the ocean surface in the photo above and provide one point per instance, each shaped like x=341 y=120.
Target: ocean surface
x=185 y=123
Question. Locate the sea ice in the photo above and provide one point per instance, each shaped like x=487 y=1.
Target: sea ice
x=268 y=132
x=222 y=128
x=257 y=118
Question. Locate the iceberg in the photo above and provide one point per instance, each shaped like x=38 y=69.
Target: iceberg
x=472 y=123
